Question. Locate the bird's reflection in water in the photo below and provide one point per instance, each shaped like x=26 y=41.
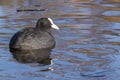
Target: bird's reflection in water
x=41 y=56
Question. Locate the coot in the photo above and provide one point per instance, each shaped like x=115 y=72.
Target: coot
x=31 y=39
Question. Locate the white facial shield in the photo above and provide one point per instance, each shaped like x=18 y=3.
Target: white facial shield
x=53 y=25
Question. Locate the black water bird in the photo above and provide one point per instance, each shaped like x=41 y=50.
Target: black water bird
x=33 y=44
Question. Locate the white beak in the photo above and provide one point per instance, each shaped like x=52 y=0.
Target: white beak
x=53 y=25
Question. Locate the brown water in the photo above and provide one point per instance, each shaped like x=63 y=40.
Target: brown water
x=88 y=42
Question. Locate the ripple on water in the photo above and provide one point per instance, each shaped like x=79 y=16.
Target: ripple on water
x=112 y=13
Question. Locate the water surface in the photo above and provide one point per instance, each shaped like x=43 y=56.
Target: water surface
x=88 y=42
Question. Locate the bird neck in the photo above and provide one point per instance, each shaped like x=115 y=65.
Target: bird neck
x=42 y=29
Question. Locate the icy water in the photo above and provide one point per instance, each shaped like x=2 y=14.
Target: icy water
x=88 y=42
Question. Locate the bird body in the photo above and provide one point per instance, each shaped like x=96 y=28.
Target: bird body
x=31 y=39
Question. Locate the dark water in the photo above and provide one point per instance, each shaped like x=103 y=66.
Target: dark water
x=88 y=42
